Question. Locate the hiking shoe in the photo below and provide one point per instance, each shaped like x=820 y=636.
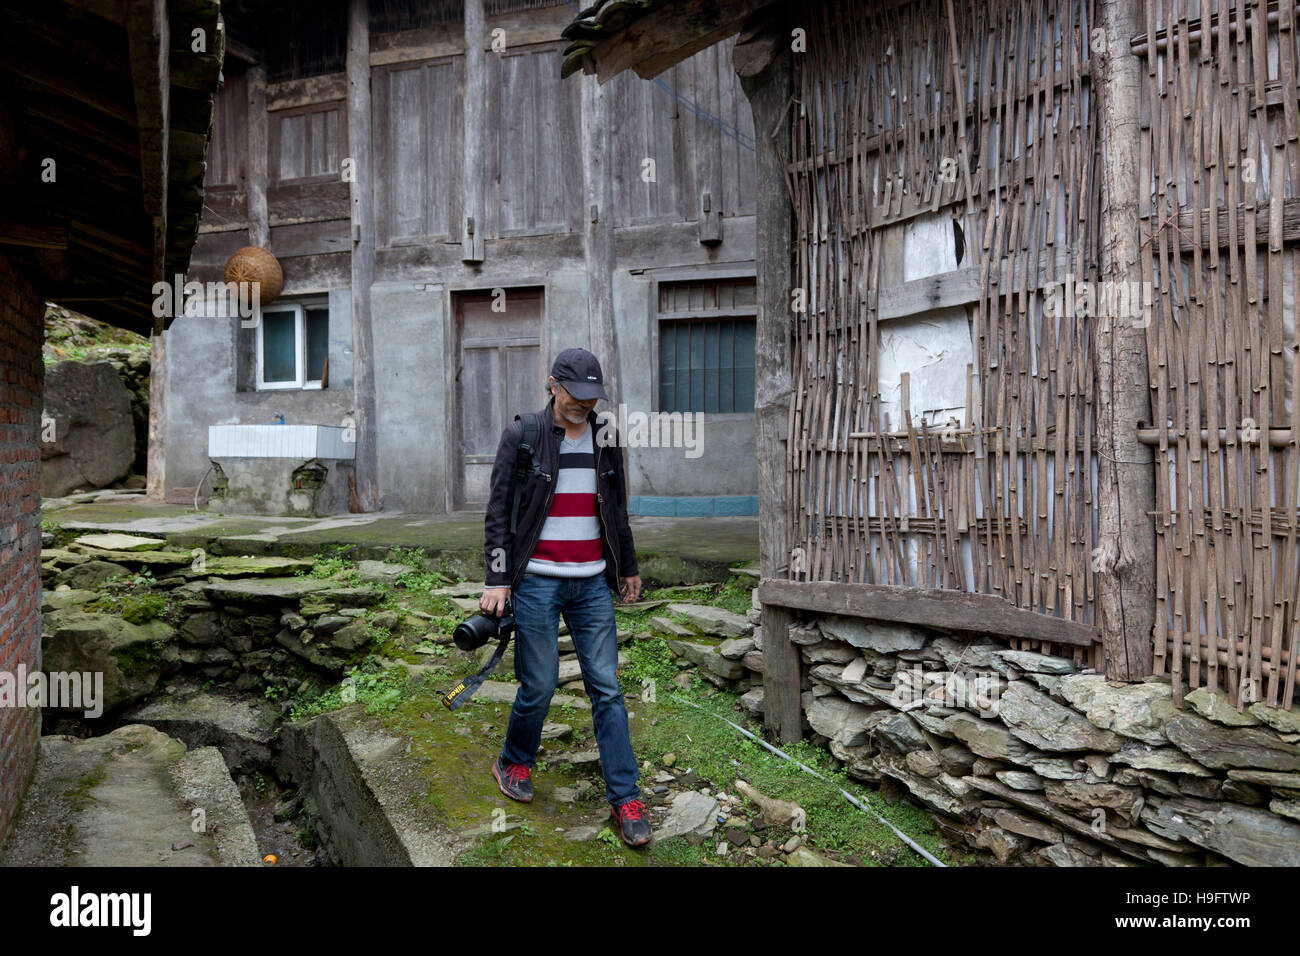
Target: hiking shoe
x=633 y=826
x=514 y=779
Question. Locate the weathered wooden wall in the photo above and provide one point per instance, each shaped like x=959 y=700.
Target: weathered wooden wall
x=557 y=204
x=693 y=122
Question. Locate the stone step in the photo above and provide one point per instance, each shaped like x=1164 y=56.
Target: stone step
x=357 y=782
x=135 y=797
x=242 y=728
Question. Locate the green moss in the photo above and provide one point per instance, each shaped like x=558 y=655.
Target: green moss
x=79 y=797
x=136 y=660
x=143 y=608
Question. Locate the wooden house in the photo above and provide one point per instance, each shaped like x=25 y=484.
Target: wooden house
x=449 y=215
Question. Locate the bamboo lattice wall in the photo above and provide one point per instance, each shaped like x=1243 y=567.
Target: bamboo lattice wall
x=1002 y=501
x=882 y=132
x=1221 y=179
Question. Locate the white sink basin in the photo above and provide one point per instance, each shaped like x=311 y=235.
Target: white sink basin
x=281 y=441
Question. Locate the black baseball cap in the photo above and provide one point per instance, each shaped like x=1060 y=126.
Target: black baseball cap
x=579 y=372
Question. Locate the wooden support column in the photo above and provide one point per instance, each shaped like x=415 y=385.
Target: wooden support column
x=259 y=224
x=156 y=462
x=1125 y=558
x=363 y=255
x=769 y=91
x=471 y=220
x=598 y=234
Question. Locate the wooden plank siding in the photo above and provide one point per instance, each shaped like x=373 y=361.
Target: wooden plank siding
x=534 y=182
x=695 y=123
x=418 y=133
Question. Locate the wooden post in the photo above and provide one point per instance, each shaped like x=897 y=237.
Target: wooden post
x=1125 y=557
x=769 y=95
x=598 y=233
x=363 y=253
x=156 y=464
x=471 y=220
x=259 y=224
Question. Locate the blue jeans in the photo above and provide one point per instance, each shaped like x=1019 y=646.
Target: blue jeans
x=588 y=609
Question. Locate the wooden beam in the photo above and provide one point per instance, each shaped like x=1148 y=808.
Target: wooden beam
x=44 y=236
x=259 y=227
x=757 y=43
x=1125 y=558
x=80 y=86
x=363 y=254
x=113 y=11
x=598 y=232
x=925 y=607
x=959 y=287
x=769 y=97
x=475 y=125
x=1187 y=224
x=156 y=464
x=673 y=32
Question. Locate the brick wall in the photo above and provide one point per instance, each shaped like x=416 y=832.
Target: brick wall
x=22 y=377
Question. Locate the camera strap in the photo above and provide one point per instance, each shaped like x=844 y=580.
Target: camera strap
x=466 y=688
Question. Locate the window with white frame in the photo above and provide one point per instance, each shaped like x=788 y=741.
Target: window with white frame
x=293 y=345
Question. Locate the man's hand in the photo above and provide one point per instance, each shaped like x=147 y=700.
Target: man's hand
x=493 y=601
x=631 y=590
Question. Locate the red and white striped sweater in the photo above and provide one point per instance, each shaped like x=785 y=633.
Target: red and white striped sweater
x=570 y=546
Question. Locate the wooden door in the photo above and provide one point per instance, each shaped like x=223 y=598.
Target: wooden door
x=499 y=374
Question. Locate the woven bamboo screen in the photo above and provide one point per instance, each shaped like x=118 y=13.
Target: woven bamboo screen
x=997 y=497
x=1221 y=179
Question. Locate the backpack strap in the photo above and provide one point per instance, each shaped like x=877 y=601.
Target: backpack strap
x=524 y=461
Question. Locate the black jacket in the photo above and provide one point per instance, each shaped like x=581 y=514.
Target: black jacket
x=535 y=505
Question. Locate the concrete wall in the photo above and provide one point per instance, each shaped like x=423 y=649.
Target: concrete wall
x=412 y=342
x=22 y=377
x=202 y=391
x=410 y=335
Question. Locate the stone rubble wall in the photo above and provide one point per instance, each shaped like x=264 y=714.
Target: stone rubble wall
x=1028 y=759
x=1021 y=756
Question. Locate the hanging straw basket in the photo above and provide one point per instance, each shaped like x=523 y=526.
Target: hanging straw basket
x=255 y=264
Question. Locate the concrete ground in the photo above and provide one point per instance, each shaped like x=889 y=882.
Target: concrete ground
x=698 y=544
x=129 y=798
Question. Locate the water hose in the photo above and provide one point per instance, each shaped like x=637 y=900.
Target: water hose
x=807 y=769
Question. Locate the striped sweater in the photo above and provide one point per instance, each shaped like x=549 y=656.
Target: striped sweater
x=570 y=546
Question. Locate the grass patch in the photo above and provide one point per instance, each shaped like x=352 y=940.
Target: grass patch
x=380 y=690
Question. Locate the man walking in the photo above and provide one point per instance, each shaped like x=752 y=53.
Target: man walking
x=560 y=549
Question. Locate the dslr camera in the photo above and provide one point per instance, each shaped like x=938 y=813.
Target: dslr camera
x=472 y=634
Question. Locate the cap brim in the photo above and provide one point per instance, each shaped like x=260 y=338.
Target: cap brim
x=583 y=391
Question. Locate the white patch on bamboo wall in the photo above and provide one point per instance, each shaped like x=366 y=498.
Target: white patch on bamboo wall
x=934 y=348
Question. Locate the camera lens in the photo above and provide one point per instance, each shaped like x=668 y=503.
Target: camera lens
x=475 y=632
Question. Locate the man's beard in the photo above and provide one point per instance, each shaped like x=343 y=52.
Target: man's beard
x=573 y=419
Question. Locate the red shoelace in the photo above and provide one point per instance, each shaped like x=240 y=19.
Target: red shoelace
x=632 y=810
x=516 y=772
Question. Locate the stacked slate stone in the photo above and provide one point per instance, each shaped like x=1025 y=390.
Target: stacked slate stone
x=1033 y=762
x=241 y=622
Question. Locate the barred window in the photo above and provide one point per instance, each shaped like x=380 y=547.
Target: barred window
x=706 y=345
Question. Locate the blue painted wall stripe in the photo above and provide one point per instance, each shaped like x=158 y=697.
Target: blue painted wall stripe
x=705 y=506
